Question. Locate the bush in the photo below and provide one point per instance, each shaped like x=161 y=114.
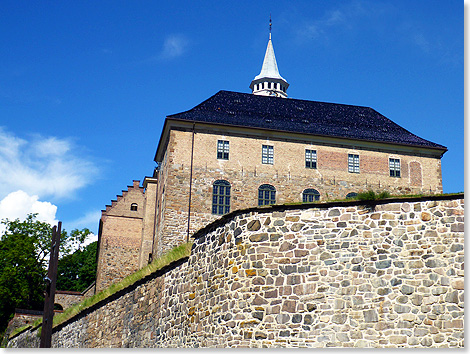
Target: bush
x=371 y=195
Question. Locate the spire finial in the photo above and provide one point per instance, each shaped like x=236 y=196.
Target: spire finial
x=269 y=82
x=270 y=25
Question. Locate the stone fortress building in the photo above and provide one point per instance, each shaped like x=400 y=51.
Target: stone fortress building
x=238 y=150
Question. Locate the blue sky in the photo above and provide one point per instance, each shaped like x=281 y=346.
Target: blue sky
x=85 y=85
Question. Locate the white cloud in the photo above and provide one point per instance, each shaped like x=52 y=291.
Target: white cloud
x=18 y=204
x=174 y=46
x=42 y=166
x=90 y=239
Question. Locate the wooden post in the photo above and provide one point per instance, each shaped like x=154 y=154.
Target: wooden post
x=51 y=279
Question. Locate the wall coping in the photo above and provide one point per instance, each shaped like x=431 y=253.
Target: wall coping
x=322 y=205
x=69 y=292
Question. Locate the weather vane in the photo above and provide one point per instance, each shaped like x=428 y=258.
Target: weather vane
x=270 y=23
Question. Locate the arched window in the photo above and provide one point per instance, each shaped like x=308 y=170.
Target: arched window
x=266 y=195
x=310 y=195
x=220 y=197
x=134 y=206
x=351 y=195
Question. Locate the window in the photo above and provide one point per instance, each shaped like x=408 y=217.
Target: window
x=134 y=206
x=351 y=195
x=353 y=163
x=310 y=195
x=310 y=158
x=394 y=167
x=267 y=154
x=220 y=197
x=266 y=195
x=222 y=149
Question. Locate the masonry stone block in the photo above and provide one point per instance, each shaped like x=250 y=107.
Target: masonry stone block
x=306 y=304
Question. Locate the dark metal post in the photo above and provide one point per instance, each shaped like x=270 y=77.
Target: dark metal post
x=190 y=183
x=51 y=279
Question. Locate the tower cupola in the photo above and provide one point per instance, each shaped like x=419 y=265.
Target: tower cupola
x=269 y=82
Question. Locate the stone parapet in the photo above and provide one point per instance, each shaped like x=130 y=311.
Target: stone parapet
x=334 y=275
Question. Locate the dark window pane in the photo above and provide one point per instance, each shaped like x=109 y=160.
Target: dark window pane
x=221 y=197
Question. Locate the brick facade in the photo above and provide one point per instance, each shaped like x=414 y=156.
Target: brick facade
x=120 y=237
x=420 y=172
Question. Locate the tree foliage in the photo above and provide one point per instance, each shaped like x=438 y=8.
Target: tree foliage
x=24 y=255
x=77 y=271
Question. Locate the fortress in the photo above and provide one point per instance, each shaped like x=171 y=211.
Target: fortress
x=236 y=150
x=277 y=261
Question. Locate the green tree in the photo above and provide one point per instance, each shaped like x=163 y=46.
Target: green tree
x=77 y=271
x=24 y=256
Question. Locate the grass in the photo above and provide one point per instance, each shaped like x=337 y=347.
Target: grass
x=175 y=254
x=371 y=195
x=18 y=330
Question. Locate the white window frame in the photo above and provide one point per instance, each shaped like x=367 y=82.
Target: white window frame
x=353 y=163
x=267 y=155
x=394 y=167
x=223 y=149
x=310 y=158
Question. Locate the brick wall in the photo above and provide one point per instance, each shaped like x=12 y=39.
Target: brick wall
x=120 y=239
x=245 y=172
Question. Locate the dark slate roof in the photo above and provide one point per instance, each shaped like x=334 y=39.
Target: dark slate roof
x=301 y=116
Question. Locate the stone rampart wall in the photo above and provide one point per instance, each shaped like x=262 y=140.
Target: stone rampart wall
x=325 y=276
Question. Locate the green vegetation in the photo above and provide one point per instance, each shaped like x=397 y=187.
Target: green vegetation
x=24 y=255
x=76 y=271
x=175 y=254
x=371 y=195
x=14 y=333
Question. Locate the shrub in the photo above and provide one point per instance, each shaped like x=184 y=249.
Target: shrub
x=371 y=195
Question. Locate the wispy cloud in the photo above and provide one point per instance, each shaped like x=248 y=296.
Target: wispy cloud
x=90 y=218
x=389 y=21
x=174 y=46
x=344 y=17
x=42 y=166
x=421 y=42
x=430 y=41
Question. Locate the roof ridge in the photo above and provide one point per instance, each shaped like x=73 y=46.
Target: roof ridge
x=291 y=99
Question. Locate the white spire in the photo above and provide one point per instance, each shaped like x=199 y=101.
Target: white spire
x=269 y=82
x=269 y=69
